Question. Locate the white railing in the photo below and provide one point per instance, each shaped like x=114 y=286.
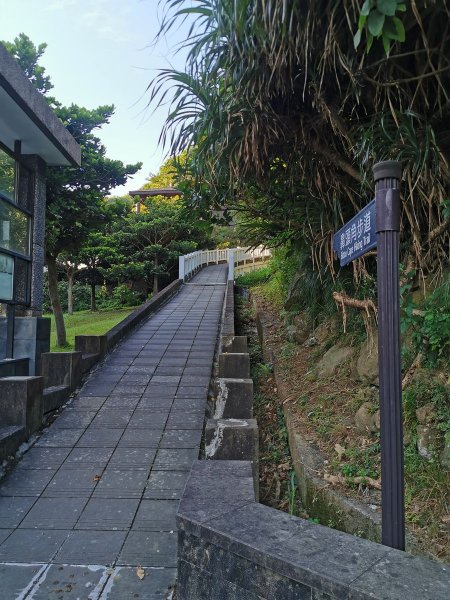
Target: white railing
x=238 y=259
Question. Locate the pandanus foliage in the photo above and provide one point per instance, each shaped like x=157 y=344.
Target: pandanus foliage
x=284 y=117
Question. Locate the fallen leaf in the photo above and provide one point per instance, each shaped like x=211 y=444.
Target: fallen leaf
x=289 y=399
x=340 y=450
x=333 y=479
x=140 y=572
x=96 y=478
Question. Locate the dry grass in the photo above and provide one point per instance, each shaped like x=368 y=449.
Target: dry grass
x=323 y=412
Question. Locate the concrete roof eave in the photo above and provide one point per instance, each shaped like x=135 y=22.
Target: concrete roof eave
x=26 y=116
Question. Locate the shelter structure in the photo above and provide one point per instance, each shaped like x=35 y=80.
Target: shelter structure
x=31 y=138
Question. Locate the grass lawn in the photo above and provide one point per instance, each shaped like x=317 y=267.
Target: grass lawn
x=86 y=322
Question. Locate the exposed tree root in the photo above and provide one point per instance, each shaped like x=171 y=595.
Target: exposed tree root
x=412 y=369
x=367 y=305
x=341 y=480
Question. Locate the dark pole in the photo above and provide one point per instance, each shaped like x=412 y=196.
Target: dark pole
x=387 y=176
x=10 y=313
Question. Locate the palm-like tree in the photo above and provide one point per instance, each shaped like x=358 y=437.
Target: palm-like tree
x=278 y=104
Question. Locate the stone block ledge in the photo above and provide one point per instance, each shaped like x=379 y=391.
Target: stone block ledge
x=100 y=345
x=228 y=316
x=21 y=402
x=115 y=334
x=230 y=546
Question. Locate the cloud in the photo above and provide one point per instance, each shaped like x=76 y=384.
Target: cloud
x=107 y=17
x=60 y=4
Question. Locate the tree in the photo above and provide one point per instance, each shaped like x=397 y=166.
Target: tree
x=70 y=265
x=168 y=173
x=97 y=253
x=285 y=117
x=75 y=204
x=74 y=195
x=28 y=56
x=145 y=247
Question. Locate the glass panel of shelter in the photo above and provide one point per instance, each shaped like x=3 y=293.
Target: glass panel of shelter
x=16 y=204
x=7 y=175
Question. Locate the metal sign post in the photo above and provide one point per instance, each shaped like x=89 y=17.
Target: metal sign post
x=387 y=182
x=378 y=225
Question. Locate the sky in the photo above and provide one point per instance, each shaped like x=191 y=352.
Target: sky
x=103 y=52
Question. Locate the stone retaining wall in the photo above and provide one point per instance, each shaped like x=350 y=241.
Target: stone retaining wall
x=230 y=547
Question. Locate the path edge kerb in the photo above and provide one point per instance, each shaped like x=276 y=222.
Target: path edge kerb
x=102 y=344
x=120 y=330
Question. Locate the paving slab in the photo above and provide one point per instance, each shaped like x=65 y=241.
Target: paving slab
x=94 y=437
x=179 y=459
x=157 y=583
x=150 y=549
x=52 y=513
x=88 y=458
x=140 y=438
x=181 y=438
x=121 y=483
x=166 y=485
x=44 y=458
x=70 y=582
x=154 y=515
x=15 y=579
x=71 y=482
x=4 y=533
x=90 y=547
x=31 y=545
x=13 y=510
x=55 y=438
x=25 y=482
x=109 y=514
x=132 y=458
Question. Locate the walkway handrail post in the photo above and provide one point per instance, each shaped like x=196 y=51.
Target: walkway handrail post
x=181 y=267
x=231 y=265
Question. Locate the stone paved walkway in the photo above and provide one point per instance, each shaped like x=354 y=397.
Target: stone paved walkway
x=96 y=495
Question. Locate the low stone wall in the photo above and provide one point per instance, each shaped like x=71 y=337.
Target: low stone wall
x=101 y=344
x=232 y=433
x=230 y=547
x=233 y=548
x=118 y=332
x=227 y=331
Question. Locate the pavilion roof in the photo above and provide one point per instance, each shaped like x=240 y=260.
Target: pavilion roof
x=168 y=192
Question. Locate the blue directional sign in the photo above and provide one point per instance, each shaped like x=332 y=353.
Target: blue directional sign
x=357 y=236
